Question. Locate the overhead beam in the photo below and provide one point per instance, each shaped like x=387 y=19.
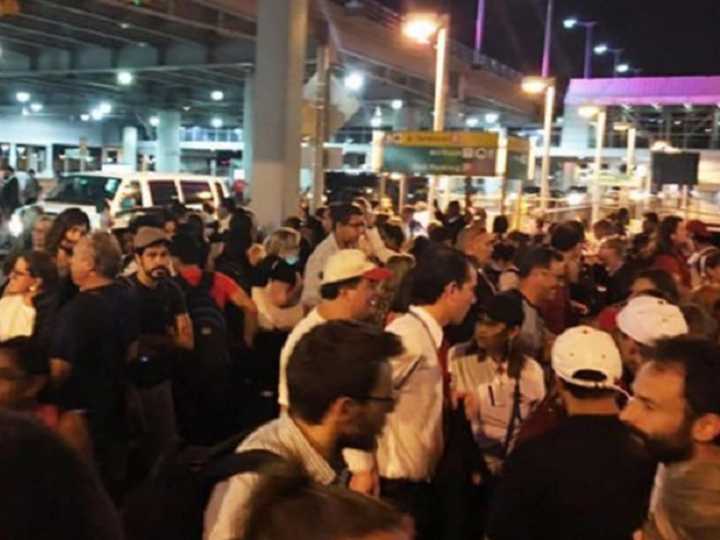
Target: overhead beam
x=76 y=28
x=106 y=70
x=43 y=33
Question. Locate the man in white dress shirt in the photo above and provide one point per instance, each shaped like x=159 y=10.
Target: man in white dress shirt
x=348 y=226
x=442 y=291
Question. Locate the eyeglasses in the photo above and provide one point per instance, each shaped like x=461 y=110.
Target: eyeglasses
x=389 y=400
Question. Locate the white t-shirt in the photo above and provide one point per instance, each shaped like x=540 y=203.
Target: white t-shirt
x=272 y=317
x=18 y=318
x=494 y=391
x=312 y=320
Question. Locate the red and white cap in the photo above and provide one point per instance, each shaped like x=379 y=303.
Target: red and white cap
x=352 y=263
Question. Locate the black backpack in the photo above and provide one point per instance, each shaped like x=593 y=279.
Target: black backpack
x=171 y=502
x=206 y=393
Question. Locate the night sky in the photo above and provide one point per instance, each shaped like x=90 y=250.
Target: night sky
x=660 y=37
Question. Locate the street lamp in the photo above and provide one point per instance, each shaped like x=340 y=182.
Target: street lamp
x=573 y=22
x=422 y=27
x=600 y=115
x=537 y=85
x=603 y=48
x=622 y=68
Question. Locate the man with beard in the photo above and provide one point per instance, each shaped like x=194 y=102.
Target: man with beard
x=165 y=328
x=676 y=412
x=340 y=388
x=588 y=478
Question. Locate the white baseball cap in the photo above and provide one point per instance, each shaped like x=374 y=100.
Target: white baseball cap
x=352 y=263
x=584 y=348
x=646 y=319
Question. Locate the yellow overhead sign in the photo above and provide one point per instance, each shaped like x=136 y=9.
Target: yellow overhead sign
x=452 y=139
x=515 y=144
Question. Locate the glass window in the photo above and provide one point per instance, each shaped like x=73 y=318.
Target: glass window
x=163 y=192
x=83 y=189
x=196 y=191
x=131 y=195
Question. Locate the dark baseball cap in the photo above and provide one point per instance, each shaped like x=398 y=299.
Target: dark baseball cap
x=282 y=271
x=504 y=308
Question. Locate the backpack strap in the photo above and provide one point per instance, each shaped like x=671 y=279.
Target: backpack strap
x=238 y=463
x=516 y=416
x=206 y=281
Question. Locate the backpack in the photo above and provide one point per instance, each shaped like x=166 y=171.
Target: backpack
x=204 y=379
x=171 y=502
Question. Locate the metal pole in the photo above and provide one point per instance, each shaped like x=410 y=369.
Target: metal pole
x=600 y=136
x=548 y=38
x=547 y=136
x=588 y=49
x=321 y=115
x=441 y=68
x=632 y=138
x=616 y=61
x=479 y=27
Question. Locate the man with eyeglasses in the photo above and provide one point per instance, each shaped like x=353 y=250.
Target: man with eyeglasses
x=540 y=271
x=348 y=226
x=345 y=407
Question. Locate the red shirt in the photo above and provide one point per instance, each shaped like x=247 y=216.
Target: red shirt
x=674 y=265
x=223 y=287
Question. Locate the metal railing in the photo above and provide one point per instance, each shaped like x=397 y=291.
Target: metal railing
x=389 y=18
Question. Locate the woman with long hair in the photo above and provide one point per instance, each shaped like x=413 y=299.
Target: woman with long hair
x=66 y=231
x=672 y=239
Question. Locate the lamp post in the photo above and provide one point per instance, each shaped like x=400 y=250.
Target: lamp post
x=603 y=49
x=538 y=85
x=573 y=22
x=600 y=115
x=548 y=38
x=422 y=27
x=631 y=131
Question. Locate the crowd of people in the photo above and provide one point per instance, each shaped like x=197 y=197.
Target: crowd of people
x=357 y=375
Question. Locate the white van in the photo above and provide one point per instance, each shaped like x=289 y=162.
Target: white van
x=124 y=192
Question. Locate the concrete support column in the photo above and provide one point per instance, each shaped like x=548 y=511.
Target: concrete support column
x=168 y=144
x=129 y=148
x=248 y=130
x=280 y=60
x=408 y=118
x=12 y=156
x=49 y=171
x=575 y=135
x=715 y=136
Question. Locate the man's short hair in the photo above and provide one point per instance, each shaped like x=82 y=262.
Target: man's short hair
x=341 y=213
x=616 y=244
x=107 y=255
x=335 y=360
x=330 y=291
x=438 y=267
x=187 y=249
x=698 y=360
x=286 y=501
x=565 y=237
x=538 y=257
x=470 y=234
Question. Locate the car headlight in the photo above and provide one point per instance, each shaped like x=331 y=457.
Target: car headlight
x=15 y=225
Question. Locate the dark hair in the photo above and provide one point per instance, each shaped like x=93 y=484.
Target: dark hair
x=605 y=227
x=48 y=491
x=436 y=269
x=287 y=501
x=293 y=222
x=500 y=224
x=699 y=322
x=393 y=233
x=41 y=265
x=537 y=257
x=712 y=260
x=330 y=291
x=503 y=252
x=667 y=228
x=651 y=217
x=228 y=203
x=340 y=213
x=439 y=234
x=334 y=360
x=186 y=248
x=66 y=220
x=699 y=360
x=565 y=237
x=582 y=392
x=663 y=282
x=26 y=355
x=616 y=244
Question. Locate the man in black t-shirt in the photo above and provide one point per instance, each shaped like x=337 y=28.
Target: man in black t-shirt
x=95 y=335
x=165 y=330
x=589 y=478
